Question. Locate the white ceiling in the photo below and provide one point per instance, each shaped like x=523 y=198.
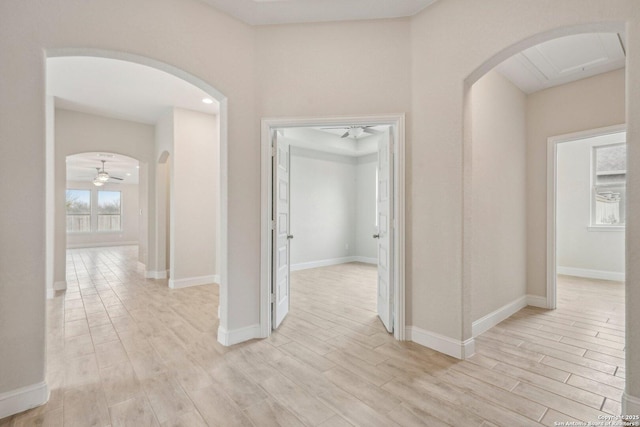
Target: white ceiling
x=82 y=167
x=120 y=89
x=330 y=141
x=564 y=60
x=265 y=12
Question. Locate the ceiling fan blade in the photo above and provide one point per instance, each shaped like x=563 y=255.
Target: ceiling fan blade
x=115 y=177
x=346 y=134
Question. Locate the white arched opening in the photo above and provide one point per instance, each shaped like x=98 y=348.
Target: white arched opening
x=55 y=250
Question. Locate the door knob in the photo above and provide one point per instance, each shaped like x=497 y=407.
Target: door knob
x=289 y=236
x=376 y=236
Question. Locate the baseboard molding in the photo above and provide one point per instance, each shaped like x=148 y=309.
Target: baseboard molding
x=537 y=301
x=19 y=400
x=99 y=245
x=492 y=319
x=228 y=338
x=332 y=261
x=591 y=274
x=366 y=260
x=193 y=281
x=159 y=274
x=630 y=404
x=57 y=286
x=443 y=344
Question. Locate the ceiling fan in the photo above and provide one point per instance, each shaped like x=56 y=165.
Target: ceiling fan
x=356 y=131
x=103 y=176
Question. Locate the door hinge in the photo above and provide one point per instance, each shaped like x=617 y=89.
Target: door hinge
x=273 y=224
x=272 y=298
x=273 y=151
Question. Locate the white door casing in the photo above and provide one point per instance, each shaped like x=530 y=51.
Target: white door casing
x=281 y=238
x=396 y=193
x=384 y=235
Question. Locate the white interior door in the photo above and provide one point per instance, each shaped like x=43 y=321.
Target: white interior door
x=385 y=230
x=280 y=284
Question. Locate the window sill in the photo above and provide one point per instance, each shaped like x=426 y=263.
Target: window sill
x=607 y=228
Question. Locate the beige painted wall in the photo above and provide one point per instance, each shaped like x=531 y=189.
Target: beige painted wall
x=499 y=199
x=160 y=247
x=583 y=105
x=187 y=196
x=340 y=68
x=194 y=195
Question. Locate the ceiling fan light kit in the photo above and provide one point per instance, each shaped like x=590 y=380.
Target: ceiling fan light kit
x=102 y=177
x=356 y=132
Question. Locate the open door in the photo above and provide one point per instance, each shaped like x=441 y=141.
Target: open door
x=280 y=283
x=385 y=229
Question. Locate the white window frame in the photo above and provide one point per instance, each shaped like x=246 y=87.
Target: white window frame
x=90 y=210
x=97 y=214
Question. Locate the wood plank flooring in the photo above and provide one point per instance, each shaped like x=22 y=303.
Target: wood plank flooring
x=127 y=351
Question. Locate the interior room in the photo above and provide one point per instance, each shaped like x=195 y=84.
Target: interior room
x=333 y=208
x=591 y=197
x=176 y=330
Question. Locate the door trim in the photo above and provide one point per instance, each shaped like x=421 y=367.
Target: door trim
x=552 y=200
x=269 y=124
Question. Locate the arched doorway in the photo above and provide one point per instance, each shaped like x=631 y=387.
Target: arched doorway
x=55 y=262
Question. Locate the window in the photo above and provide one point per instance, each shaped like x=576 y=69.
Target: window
x=609 y=185
x=78 y=205
x=109 y=211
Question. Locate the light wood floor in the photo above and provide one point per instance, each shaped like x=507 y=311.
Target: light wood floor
x=125 y=351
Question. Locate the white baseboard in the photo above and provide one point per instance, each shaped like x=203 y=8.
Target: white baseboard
x=365 y=260
x=15 y=401
x=159 y=274
x=592 y=274
x=443 y=344
x=57 y=286
x=537 y=301
x=332 y=261
x=192 y=281
x=321 y=263
x=630 y=404
x=228 y=338
x=492 y=319
x=99 y=245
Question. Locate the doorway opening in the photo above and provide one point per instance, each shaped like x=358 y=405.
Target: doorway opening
x=508 y=121
x=201 y=113
x=310 y=188
x=124 y=113
x=586 y=192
